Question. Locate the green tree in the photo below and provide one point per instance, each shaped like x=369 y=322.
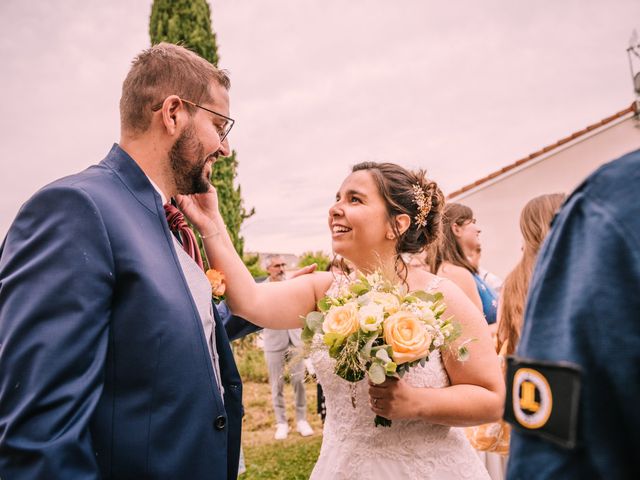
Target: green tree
x=232 y=209
x=253 y=264
x=320 y=258
x=188 y=23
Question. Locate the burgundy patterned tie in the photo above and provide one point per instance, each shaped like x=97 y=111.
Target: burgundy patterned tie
x=177 y=224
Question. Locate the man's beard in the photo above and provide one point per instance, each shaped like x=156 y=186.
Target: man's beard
x=188 y=177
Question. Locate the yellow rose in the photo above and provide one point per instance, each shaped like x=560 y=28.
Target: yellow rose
x=342 y=320
x=216 y=279
x=407 y=336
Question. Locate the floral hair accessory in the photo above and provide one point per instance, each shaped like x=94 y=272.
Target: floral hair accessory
x=424 y=205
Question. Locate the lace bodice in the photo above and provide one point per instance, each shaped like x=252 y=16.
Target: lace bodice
x=354 y=448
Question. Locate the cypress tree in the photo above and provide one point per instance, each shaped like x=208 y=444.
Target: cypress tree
x=188 y=23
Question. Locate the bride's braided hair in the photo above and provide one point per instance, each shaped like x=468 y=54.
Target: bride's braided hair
x=400 y=188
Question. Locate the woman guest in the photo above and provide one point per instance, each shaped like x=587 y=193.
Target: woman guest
x=453 y=258
x=535 y=221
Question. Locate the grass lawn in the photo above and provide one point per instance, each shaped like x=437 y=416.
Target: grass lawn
x=267 y=458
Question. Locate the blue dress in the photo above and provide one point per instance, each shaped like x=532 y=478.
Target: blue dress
x=489 y=299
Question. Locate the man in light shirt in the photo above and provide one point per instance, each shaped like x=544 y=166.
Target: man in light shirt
x=280 y=346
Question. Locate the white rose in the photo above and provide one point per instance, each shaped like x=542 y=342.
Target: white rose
x=370 y=317
x=426 y=314
x=388 y=301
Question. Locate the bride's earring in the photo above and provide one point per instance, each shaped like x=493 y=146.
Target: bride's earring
x=390 y=236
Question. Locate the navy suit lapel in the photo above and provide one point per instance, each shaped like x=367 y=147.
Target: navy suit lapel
x=137 y=182
x=133 y=178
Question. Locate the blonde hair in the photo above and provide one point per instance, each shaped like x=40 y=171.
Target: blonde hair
x=535 y=222
x=162 y=70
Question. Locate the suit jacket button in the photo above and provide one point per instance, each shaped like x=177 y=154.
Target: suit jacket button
x=220 y=422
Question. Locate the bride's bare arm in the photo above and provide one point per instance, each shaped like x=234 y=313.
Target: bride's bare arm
x=271 y=305
x=274 y=304
x=476 y=393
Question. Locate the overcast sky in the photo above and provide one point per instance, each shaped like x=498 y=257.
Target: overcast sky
x=460 y=88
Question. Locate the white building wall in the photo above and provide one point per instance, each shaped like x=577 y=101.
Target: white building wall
x=497 y=204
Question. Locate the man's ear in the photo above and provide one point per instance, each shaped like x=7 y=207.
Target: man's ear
x=173 y=111
x=403 y=222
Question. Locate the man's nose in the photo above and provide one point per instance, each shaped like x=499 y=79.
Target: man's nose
x=225 y=149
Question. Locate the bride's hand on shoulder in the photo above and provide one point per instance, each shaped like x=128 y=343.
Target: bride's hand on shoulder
x=201 y=208
x=393 y=399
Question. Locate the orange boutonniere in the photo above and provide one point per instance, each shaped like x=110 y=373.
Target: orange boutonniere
x=216 y=279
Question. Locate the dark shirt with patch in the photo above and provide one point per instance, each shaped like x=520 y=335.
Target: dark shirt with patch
x=584 y=308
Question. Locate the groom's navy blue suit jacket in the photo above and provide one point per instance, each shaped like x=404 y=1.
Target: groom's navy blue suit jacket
x=104 y=366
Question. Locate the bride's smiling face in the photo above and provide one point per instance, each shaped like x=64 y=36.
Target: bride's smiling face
x=359 y=221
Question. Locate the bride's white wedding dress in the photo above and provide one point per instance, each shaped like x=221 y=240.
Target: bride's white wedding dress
x=354 y=448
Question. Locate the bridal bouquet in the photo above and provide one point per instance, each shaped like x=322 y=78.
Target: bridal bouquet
x=371 y=326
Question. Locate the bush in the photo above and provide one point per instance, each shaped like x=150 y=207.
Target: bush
x=252 y=263
x=320 y=258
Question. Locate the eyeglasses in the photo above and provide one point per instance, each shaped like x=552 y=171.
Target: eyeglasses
x=223 y=130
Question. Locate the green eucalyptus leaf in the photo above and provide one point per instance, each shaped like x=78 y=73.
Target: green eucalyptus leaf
x=334 y=341
x=307 y=334
x=366 y=349
x=402 y=369
x=424 y=296
x=314 y=321
x=324 y=304
x=382 y=355
x=377 y=373
x=359 y=288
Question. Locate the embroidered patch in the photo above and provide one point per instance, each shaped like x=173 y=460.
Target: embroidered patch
x=543 y=399
x=532 y=398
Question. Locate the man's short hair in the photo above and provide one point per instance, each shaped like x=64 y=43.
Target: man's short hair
x=268 y=260
x=162 y=70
